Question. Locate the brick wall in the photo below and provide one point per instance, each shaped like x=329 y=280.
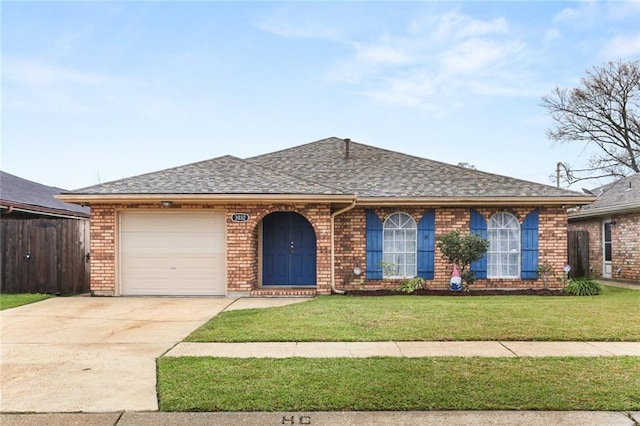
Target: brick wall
x=243 y=269
x=625 y=244
x=625 y=236
x=351 y=245
x=102 y=247
x=242 y=243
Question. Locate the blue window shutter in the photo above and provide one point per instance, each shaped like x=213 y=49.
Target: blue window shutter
x=374 y=246
x=529 y=250
x=479 y=227
x=426 y=245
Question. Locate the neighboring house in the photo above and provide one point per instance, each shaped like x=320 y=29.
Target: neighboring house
x=612 y=222
x=45 y=242
x=320 y=217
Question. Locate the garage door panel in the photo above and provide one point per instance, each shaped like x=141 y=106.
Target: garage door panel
x=172 y=253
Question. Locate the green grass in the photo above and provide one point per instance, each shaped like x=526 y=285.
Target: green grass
x=611 y=316
x=399 y=384
x=8 y=301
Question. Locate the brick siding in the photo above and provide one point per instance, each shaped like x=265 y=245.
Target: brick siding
x=351 y=245
x=243 y=269
x=241 y=249
x=625 y=244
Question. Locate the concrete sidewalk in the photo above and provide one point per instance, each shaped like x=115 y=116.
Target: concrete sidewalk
x=404 y=349
x=419 y=418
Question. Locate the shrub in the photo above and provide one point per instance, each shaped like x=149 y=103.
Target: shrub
x=462 y=250
x=545 y=272
x=412 y=284
x=583 y=286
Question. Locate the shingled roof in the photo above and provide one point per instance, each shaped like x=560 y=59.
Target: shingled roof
x=368 y=171
x=27 y=196
x=222 y=175
x=337 y=167
x=620 y=196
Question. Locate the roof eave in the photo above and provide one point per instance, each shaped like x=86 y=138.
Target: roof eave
x=475 y=201
x=88 y=199
x=603 y=211
x=43 y=211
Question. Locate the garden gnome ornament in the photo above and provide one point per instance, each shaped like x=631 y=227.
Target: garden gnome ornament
x=456 y=281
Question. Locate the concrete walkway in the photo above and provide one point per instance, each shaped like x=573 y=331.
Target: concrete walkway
x=404 y=349
x=92 y=354
x=629 y=285
x=97 y=354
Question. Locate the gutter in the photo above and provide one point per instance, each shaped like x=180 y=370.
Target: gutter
x=51 y=213
x=601 y=211
x=333 y=245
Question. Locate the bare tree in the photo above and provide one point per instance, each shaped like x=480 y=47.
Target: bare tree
x=604 y=110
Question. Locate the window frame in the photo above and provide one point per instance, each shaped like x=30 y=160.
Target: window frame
x=495 y=264
x=413 y=254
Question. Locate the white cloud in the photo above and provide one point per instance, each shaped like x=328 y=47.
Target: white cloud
x=282 y=23
x=439 y=60
x=589 y=13
x=35 y=85
x=624 y=46
x=456 y=26
x=416 y=90
x=568 y=14
x=381 y=55
x=475 y=56
x=36 y=73
x=551 y=35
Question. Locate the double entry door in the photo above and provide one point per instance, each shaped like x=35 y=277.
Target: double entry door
x=288 y=250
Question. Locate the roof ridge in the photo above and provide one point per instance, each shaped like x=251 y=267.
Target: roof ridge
x=293 y=147
x=455 y=167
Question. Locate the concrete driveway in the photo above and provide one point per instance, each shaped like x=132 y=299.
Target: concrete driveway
x=89 y=354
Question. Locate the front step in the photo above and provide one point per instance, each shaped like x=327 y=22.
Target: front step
x=284 y=292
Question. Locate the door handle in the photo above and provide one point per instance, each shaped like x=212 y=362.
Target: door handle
x=292 y=248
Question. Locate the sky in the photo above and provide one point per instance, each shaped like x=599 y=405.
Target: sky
x=98 y=91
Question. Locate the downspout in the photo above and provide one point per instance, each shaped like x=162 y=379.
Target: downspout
x=333 y=248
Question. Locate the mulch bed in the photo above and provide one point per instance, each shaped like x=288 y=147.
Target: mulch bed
x=471 y=292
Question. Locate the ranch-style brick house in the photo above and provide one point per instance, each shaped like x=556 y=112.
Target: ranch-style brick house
x=322 y=217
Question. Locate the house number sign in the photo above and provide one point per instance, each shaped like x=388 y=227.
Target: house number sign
x=240 y=217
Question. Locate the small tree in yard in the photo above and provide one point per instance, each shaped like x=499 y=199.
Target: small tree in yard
x=462 y=251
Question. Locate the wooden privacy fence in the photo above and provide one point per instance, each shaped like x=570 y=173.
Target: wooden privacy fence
x=578 y=253
x=44 y=256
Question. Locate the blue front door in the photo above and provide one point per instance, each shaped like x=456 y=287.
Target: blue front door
x=288 y=250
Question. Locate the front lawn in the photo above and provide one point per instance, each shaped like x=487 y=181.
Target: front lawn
x=398 y=384
x=612 y=316
x=8 y=301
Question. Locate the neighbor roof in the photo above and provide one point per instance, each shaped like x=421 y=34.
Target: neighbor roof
x=333 y=167
x=27 y=196
x=620 y=196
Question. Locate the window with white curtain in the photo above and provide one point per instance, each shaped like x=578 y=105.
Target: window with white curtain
x=503 y=256
x=399 y=246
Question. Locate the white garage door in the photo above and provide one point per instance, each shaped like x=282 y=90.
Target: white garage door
x=172 y=254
